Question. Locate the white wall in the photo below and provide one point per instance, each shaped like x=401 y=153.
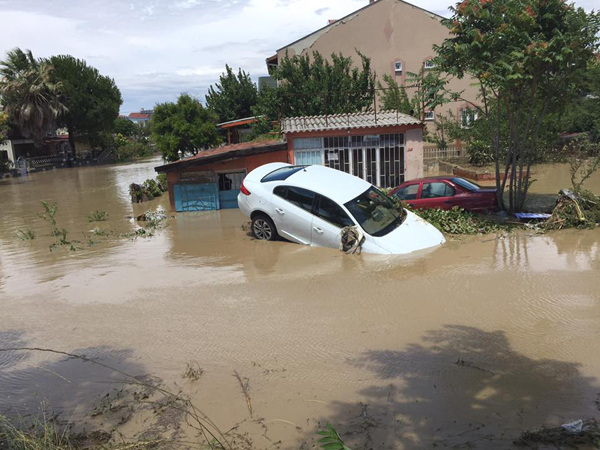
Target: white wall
x=413 y=154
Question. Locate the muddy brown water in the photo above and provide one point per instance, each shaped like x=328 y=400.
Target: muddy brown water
x=466 y=345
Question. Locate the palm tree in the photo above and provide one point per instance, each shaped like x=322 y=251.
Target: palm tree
x=30 y=98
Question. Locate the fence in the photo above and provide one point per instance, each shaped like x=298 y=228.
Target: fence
x=41 y=161
x=443 y=153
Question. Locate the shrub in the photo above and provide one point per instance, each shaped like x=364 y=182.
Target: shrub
x=97 y=216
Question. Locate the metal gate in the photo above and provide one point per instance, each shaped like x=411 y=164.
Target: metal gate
x=196 y=197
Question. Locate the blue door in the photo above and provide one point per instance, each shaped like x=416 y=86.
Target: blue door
x=196 y=197
x=228 y=199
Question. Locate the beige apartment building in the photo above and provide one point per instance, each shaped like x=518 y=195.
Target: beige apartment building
x=397 y=36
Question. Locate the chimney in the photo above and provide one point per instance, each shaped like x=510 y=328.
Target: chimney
x=330 y=21
x=372 y=1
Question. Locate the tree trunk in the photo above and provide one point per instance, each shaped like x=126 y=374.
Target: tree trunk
x=72 y=141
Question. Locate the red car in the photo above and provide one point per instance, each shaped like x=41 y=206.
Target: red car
x=445 y=193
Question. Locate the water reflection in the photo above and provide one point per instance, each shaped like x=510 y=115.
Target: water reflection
x=568 y=250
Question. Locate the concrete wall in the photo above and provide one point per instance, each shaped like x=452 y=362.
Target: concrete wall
x=387 y=31
x=413 y=154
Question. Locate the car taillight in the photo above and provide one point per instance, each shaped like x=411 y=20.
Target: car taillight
x=243 y=189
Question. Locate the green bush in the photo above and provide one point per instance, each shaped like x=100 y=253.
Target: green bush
x=97 y=216
x=162 y=181
x=457 y=221
x=152 y=188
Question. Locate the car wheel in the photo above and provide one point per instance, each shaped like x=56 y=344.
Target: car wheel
x=263 y=228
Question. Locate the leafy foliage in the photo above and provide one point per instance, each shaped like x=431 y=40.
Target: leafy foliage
x=3 y=125
x=393 y=96
x=185 y=125
x=430 y=90
x=124 y=126
x=331 y=440
x=29 y=94
x=92 y=100
x=526 y=62
x=311 y=85
x=233 y=97
x=97 y=216
x=584 y=160
x=458 y=221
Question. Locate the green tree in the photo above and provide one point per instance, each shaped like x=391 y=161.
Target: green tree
x=312 y=85
x=92 y=100
x=3 y=125
x=393 y=96
x=124 y=126
x=233 y=97
x=185 y=125
x=583 y=115
x=29 y=94
x=429 y=90
x=525 y=61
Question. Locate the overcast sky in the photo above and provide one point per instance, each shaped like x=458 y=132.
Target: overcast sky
x=156 y=49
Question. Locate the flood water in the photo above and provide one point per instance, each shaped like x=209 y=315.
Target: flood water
x=464 y=346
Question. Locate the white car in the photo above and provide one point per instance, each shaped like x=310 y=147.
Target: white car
x=311 y=204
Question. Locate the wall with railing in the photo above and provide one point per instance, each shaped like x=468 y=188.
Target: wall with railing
x=450 y=152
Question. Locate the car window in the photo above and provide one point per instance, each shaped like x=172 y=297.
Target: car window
x=333 y=213
x=375 y=212
x=283 y=173
x=408 y=192
x=468 y=185
x=436 y=190
x=302 y=198
x=280 y=191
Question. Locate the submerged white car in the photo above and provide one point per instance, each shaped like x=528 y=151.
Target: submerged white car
x=311 y=204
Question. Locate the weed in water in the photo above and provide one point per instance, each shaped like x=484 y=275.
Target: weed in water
x=193 y=371
x=98 y=232
x=26 y=235
x=97 y=216
x=49 y=212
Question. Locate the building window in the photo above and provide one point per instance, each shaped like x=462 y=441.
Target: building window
x=398 y=67
x=467 y=117
x=429 y=115
x=430 y=64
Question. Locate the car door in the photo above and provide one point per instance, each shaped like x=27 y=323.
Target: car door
x=436 y=194
x=328 y=220
x=292 y=215
x=408 y=193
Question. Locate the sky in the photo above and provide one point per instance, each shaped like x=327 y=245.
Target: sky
x=157 y=49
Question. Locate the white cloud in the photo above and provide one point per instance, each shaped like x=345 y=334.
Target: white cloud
x=156 y=49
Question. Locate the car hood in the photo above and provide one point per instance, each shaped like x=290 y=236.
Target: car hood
x=414 y=234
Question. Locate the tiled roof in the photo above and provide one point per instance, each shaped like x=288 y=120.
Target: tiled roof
x=347 y=121
x=225 y=152
x=139 y=116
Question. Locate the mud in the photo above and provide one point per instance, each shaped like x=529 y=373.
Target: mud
x=467 y=345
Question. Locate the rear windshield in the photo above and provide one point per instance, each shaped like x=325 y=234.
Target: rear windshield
x=283 y=173
x=375 y=212
x=466 y=184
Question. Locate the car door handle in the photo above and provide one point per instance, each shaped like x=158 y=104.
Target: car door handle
x=280 y=211
x=318 y=230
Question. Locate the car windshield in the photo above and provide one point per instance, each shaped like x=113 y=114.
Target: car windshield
x=375 y=212
x=466 y=184
x=283 y=173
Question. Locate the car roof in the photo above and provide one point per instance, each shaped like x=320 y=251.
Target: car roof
x=334 y=184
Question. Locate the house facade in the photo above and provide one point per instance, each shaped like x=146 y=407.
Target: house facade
x=397 y=36
x=383 y=148
x=141 y=118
